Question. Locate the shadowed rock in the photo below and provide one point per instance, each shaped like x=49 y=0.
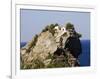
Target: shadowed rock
x=42 y=51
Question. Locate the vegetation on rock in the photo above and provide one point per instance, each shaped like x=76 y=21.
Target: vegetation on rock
x=40 y=50
x=50 y=28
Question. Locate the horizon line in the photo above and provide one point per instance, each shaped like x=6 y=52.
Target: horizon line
x=80 y=39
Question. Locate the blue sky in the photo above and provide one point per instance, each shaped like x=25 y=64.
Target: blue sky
x=33 y=21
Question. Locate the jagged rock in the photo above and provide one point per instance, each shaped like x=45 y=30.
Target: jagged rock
x=39 y=52
x=44 y=46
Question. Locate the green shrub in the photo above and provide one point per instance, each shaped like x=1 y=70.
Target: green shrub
x=35 y=64
x=57 y=64
x=45 y=29
x=33 y=43
x=50 y=28
x=69 y=26
x=38 y=64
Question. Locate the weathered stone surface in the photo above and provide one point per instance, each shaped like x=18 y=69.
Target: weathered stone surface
x=39 y=52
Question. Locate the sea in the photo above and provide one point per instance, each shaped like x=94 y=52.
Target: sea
x=84 y=58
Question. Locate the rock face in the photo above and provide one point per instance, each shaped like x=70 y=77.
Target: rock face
x=39 y=52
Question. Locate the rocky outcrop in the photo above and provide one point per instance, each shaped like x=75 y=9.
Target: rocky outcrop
x=39 y=52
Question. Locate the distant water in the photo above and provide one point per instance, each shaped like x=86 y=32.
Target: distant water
x=22 y=44
x=84 y=57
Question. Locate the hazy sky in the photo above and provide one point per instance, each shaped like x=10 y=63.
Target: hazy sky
x=33 y=21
